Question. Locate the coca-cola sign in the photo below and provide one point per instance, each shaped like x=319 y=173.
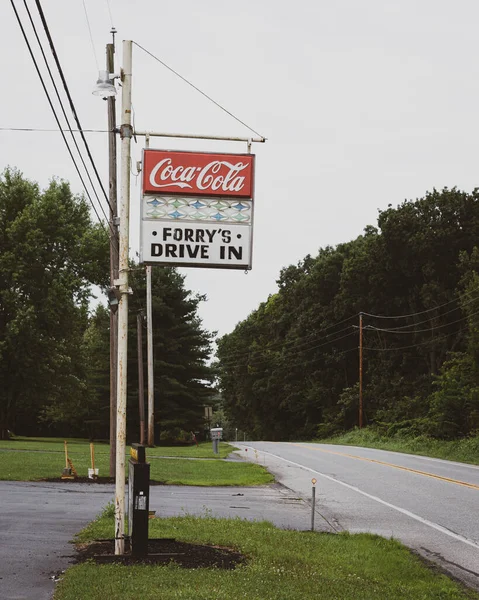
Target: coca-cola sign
x=198 y=174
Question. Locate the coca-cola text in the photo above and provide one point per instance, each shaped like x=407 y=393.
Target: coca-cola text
x=191 y=173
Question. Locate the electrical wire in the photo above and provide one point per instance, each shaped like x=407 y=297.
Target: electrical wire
x=227 y=363
x=299 y=341
x=53 y=110
x=91 y=36
x=198 y=90
x=474 y=299
x=62 y=107
x=445 y=335
x=70 y=100
x=372 y=328
x=40 y=130
x=109 y=12
x=297 y=347
x=304 y=363
x=422 y=312
x=254 y=363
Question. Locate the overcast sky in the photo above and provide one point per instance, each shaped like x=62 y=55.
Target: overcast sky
x=364 y=103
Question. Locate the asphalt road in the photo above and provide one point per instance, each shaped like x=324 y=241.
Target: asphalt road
x=428 y=504
x=38 y=520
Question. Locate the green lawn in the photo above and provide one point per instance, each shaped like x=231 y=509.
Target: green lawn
x=281 y=565
x=463 y=450
x=33 y=459
x=76 y=446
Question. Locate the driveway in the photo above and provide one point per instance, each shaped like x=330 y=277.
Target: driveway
x=38 y=520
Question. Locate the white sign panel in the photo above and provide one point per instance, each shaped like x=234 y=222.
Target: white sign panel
x=196 y=244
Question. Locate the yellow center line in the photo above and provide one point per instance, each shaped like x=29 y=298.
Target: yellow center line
x=386 y=464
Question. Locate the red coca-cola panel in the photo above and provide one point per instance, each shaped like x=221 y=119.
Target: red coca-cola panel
x=198 y=174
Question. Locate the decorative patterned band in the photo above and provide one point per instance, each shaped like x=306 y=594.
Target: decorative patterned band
x=197 y=209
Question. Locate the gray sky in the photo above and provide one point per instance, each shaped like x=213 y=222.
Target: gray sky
x=363 y=104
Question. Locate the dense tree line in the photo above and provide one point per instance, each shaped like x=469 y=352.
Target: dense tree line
x=54 y=351
x=290 y=370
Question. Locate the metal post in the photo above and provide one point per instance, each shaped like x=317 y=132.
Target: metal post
x=151 y=389
x=141 y=387
x=360 y=370
x=125 y=134
x=313 y=506
x=149 y=346
x=114 y=255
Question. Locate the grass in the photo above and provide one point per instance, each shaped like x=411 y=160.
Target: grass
x=464 y=450
x=34 y=459
x=76 y=445
x=282 y=565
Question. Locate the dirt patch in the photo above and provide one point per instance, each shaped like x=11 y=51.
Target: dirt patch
x=163 y=551
x=88 y=480
x=80 y=480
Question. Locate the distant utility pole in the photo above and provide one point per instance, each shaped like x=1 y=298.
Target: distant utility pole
x=141 y=386
x=360 y=370
x=114 y=254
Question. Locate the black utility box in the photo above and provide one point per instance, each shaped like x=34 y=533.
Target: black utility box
x=138 y=500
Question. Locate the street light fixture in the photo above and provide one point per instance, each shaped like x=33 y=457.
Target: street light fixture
x=104 y=86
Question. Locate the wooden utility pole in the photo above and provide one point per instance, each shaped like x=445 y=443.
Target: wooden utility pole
x=141 y=385
x=114 y=256
x=360 y=370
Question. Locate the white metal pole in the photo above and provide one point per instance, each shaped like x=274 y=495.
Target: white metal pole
x=125 y=134
x=149 y=348
x=151 y=390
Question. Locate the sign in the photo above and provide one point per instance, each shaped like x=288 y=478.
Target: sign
x=197 y=209
x=198 y=174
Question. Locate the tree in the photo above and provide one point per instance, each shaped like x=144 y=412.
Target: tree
x=182 y=378
x=290 y=369
x=50 y=255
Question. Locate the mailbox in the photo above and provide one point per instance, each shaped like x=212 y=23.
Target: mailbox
x=216 y=435
x=138 y=500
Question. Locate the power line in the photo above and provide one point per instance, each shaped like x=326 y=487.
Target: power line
x=422 y=312
x=299 y=341
x=45 y=130
x=91 y=36
x=53 y=109
x=297 y=347
x=445 y=335
x=67 y=91
x=109 y=12
x=198 y=90
x=303 y=363
x=254 y=363
x=372 y=328
x=392 y=329
x=61 y=105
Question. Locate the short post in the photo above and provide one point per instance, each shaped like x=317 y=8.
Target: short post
x=67 y=471
x=313 y=502
x=138 y=500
